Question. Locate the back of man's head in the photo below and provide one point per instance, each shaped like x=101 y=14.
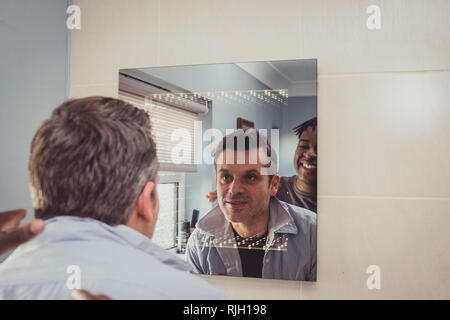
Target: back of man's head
x=91 y=158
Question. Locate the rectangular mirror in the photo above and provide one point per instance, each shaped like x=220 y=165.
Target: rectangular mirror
x=237 y=146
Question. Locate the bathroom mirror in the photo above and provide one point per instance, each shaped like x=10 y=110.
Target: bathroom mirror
x=260 y=225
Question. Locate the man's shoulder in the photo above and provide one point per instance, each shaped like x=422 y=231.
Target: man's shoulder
x=300 y=213
x=286 y=188
x=120 y=272
x=286 y=181
x=198 y=234
x=118 y=265
x=288 y=178
x=212 y=223
x=154 y=284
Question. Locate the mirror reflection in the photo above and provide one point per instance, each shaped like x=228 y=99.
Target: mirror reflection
x=237 y=146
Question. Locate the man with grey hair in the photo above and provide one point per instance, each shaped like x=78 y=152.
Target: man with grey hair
x=94 y=175
x=251 y=233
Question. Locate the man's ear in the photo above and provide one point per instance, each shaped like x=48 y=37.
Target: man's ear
x=274 y=185
x=145 y=203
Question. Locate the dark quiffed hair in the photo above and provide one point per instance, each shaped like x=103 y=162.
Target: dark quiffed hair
x=92 y=158
x=305 y=125
x=241 y=140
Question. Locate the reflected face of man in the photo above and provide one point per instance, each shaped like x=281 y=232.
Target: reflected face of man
x=243 y=192
x=305 y=159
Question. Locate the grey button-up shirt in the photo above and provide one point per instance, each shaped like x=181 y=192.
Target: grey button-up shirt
x=290 y=250
x=117 y=261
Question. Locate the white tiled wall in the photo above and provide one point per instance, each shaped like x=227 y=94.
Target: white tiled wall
x=385 y=134
x=384 y=120
x=407 y=238
x=414 y=35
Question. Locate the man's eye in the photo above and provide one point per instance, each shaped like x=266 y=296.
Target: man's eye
x=251 y=177
x=226 y=177
x=303 y=147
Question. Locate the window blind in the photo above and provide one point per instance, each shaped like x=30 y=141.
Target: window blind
x=172 y=116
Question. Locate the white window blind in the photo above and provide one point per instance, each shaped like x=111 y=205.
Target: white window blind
x=171 y=115
x=165 y=120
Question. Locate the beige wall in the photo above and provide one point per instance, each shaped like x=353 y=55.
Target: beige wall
x=384 y=113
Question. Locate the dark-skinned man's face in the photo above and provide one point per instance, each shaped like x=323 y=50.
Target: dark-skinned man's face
x=305 y=159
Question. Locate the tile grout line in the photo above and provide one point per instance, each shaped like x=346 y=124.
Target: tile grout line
x=301 y=287
x=159 y=34
x=301 y=42
x=94 y=84
x=384 y=197
x=356 y=74
x=68 y=56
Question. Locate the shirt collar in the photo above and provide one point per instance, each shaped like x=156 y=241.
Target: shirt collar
x=94 y=229
x=280 y=220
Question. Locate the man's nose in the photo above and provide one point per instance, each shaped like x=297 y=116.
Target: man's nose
x=236 y=187
x=312 y=153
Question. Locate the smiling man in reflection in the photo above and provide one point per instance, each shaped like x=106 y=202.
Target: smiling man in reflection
x=301 y=188
x=251 y=233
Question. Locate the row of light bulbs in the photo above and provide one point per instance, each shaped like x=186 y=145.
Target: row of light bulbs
x=275 y=97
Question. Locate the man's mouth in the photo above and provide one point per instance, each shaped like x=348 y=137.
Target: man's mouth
x=308 y=165
x=236 y=204
x=232 y=202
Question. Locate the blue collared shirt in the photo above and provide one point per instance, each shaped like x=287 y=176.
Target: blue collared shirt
x=117 y=261
x=290 y=250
